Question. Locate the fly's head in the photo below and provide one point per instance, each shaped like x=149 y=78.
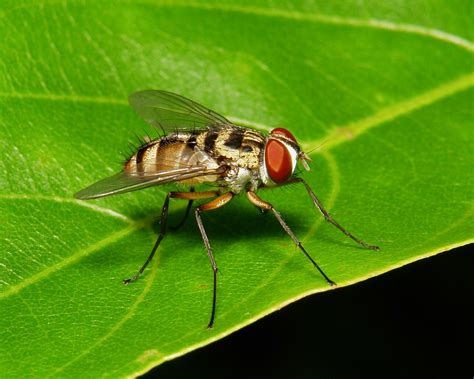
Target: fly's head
x=281 y=155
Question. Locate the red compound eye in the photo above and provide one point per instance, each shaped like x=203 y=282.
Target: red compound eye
x=283 y=132
x=278 y=161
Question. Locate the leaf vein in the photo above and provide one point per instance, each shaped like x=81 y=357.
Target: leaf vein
x=68 y=261
x=58 y=199
x=437 y=34
x=119 y=324
x=352 y=130
x=371 y=23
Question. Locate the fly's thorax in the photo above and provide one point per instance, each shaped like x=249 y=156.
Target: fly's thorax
x=279 y=158
x=233 y=146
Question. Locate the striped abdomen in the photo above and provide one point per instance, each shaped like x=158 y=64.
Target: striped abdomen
x=175 y=151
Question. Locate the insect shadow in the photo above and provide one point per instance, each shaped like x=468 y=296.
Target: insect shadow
x=238 y=221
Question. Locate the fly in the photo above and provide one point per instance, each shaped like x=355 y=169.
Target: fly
x=200 y=146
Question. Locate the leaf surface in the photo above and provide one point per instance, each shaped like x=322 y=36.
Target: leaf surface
x=384 y=92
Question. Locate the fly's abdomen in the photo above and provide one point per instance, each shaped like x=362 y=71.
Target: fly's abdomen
x=175 y=152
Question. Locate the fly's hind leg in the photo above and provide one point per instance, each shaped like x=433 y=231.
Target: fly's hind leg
x=186 y=213
x=259 y=203
x=214 y=204
x=163 y=223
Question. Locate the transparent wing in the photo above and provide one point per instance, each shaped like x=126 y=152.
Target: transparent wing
x=126 y=182
x=169 y=111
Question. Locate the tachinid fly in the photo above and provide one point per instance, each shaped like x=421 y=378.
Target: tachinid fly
x=200 y=146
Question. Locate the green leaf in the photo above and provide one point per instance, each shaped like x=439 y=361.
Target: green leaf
x=384 y=92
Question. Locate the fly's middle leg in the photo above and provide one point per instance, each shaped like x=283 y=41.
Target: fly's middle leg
x=163 y=223
x=214 y=204
x=259 y=203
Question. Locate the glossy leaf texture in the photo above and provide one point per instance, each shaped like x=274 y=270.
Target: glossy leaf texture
x=381 y=91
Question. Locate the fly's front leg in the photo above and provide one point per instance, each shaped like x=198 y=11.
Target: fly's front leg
x=329 y=218
x=255 y=200
x=163 y=224
x=214 y=204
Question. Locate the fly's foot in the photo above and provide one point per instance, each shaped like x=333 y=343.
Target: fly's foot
x=371 y=247
x=126 y=282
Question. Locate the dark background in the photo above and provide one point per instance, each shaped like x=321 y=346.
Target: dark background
x=413 y=322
